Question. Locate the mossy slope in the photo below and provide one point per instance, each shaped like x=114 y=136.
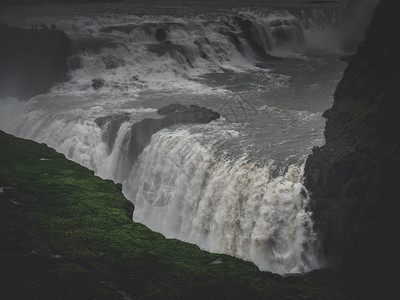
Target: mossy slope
x=66 y=233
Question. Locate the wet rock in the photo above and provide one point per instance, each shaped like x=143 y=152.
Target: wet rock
x=113 y=61
x=179 y=113
x=111 y=126
x=171 y=108
x=129 y=209
x=353 y=179
x=248 y=28
x=161 y=35
x=141 y=132
x=97 y=83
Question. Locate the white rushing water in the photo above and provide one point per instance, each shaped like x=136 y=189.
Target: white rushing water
x=184 y=189
x=228 y=206
x=230 y=187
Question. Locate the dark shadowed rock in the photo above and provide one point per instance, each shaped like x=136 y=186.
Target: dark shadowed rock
x=236 y=41
x=354 y=177
x=171 y=108
x=141 y=132
x=110 y=126
x=179 y=113
x=247 y=28
x=161 y=35
x=31 y=60
x=359 y=13
x=113 y=61
x=97 y=83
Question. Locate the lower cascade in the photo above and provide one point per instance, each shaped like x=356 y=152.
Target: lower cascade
x=182 y=187
x=185 y=191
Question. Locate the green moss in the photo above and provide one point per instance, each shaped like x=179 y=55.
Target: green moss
x=65 y=234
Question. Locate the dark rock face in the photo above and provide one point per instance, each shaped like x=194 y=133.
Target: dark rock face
x=359 y=13
x=161 y=35
x=142 y=131
x=113 y=61
x=247 y=28
x=97 y=83
x=31 y=61
x=110 y=126
x=354 y=177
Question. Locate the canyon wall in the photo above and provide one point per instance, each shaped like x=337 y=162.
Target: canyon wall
x=353 y=178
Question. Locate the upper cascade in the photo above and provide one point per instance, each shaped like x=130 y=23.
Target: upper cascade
x=202 y=43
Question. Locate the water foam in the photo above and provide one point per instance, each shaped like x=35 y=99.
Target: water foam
x=182 y=189
x=181 y=186
x=234 y=41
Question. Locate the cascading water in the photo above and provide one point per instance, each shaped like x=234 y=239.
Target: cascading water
x=229 y=206
x=230 y=187
x=148 y=46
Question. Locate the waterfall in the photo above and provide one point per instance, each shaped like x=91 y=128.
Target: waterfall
x=183 y=185
x=185 y=191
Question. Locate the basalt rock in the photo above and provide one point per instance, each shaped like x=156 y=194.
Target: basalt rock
x=113 y=61
x=31 y=60
x=161 y=34
x=97 y=83
x=354 y=177
x=248 y=29
x=110 y=126
x=141 y=132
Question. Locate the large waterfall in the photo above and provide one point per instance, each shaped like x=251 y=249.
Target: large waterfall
x=233 y=186
x=224 y=205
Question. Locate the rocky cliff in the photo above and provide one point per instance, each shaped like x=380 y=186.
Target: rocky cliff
x=353 y=178
x=31 y=60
